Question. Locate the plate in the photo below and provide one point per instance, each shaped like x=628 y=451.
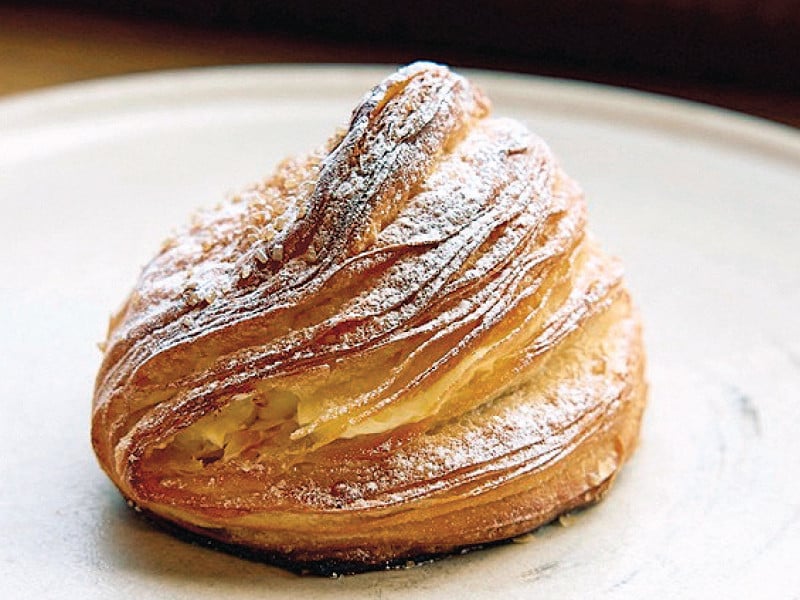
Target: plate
x=702 y=205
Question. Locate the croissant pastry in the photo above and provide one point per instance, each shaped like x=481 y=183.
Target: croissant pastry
x=399 y=345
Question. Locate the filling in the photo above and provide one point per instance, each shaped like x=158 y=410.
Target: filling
x=268 y=419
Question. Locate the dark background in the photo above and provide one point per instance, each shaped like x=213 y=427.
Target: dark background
x=739 y=54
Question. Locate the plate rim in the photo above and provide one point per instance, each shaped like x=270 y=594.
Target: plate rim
x=670 y=115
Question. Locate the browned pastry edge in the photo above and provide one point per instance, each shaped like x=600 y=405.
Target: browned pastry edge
x=335 y=568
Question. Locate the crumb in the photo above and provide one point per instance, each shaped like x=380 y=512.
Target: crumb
x=192 y=298
x=261 y=256
x=566 y=520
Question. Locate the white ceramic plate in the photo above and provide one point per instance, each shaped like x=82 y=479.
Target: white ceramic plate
x=703 y=206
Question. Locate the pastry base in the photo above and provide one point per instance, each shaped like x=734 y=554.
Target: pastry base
x=335 y=567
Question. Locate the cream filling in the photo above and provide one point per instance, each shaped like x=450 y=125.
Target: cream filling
x=243 y=423
x=250 y=418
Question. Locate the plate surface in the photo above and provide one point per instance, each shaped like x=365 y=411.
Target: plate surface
x=702 y=205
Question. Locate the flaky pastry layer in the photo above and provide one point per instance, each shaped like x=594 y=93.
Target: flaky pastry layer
x=400 y=344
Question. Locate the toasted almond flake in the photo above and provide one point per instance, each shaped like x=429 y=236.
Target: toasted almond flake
x=276 y=253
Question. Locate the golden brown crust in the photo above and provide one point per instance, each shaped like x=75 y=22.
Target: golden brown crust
x=401 y=344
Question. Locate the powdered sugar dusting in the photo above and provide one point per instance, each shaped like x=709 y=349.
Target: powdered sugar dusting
x=384 y=266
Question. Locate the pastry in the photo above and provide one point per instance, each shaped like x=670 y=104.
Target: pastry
x=402 y=344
